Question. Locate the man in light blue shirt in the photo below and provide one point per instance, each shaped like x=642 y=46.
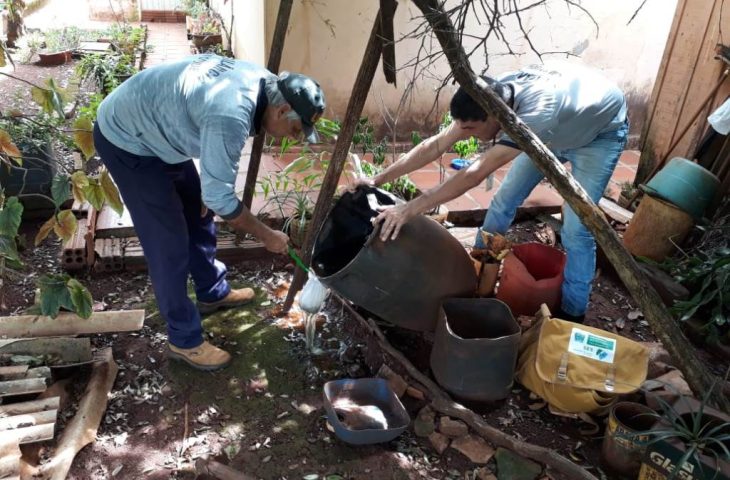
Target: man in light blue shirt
x=578 y=113
x=147 y=132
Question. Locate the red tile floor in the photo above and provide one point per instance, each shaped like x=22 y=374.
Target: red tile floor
x=430 y=175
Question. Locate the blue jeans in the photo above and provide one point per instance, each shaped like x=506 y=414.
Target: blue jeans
x=164 y=202
x=592 y=167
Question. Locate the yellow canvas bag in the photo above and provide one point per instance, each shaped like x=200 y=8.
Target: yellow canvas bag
x=579 y=369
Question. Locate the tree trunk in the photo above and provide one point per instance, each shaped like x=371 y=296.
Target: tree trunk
x=277 y=47
x=342 y=149
x=661 y=321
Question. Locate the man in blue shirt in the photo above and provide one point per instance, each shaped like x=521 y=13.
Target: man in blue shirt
x=579 y=114
x=147 y=132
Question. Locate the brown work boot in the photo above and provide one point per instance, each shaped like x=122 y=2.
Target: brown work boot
x=205 y=356
x=235 y=298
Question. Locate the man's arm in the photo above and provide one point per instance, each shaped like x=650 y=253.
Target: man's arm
x=394 y=218
x=420 y=155
x=222 y=140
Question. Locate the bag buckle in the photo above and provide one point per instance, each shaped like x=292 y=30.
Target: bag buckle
x=563 y=368
x=610 y=382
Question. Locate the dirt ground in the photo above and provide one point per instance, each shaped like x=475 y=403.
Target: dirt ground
x=263 y=415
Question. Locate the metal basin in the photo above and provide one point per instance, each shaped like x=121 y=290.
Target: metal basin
x=402 y=281
x=366 y=394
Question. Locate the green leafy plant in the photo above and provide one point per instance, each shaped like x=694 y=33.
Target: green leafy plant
x=329 y=129
x=289 y=193
x=416 y=138
x=466 y=148
x=402 y=187
x=61 y=40
x=700 y=433
x=707 y=276
x=126 y=38
x=106 y=71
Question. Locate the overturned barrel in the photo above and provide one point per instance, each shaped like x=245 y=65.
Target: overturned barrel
x=402 y=281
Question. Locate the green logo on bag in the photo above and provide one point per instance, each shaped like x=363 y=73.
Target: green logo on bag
x=600 y=342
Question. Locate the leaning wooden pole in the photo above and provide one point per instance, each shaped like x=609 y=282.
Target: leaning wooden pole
x=342 y=148
x=277 y=47
x=661 y=321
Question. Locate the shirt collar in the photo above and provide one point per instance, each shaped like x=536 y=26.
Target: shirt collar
x=261 y=103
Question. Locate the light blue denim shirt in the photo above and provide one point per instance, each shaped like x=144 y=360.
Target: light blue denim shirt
x=200 y=107
x=566 y=105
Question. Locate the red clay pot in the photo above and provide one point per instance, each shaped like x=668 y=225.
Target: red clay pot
x=532 y=275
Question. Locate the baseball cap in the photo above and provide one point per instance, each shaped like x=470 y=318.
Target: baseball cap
x=306 y=98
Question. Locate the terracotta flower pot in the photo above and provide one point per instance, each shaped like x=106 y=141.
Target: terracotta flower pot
x=56 y=58
x=532 y=274
x=206 y=40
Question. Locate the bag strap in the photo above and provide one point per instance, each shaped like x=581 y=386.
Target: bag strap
x=563 y=368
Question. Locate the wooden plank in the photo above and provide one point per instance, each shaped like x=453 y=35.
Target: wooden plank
x=28 y=420
x=9 y=458
x=13 y=372
x=110 y=224
x=475 y=218
x=36 y=433
x=31 y=406
x=91 y=236
x=22 y=387
x=24 y=326
x=615 y=211
x=39 y=372
x=56 y=351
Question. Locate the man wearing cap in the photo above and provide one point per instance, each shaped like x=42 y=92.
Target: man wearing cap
x=147 y=132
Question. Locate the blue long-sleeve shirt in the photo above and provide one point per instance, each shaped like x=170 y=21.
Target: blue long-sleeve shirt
x=204 y=106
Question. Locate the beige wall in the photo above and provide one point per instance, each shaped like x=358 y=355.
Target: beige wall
x=249 y=34
x=326 y=39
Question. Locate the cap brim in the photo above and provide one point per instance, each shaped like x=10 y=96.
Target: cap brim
x=310 y=133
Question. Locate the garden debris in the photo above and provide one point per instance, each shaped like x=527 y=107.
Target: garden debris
x=81 y=430
x=415 y=393
x=674 y=382
x=424 y=424
x=67 y=323
x=219 y=471
x=474 y=448
x=452 y=428
x=439 y=442
x=513 y=467
x=483 y=473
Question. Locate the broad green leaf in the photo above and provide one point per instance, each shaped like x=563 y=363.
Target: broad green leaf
x=51 y=98
x=94 y=194
x=10 y=217
x=84 y=137
x=45 y=230
x=9 y=249
x=60 y=189
x=9 y=148
x=54 y=294
x=66 y=224
x=111 y=193
x=79 y=181
x=43 y=98
x=80 y=297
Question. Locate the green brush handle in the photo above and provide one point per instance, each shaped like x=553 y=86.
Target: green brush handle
x=297 y=260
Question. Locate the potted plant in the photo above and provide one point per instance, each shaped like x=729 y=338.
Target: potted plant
x=58 y=46
x=206 y=30
x=107 y=71
x=689 y=441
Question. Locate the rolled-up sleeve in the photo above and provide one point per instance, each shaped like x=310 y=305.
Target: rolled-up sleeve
x=221 y=141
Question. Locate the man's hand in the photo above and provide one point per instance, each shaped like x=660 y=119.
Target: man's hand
x=276 y=241
x=393 y=219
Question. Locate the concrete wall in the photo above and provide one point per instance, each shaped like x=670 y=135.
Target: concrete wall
x=248 y=34
x=326 y=39
x=114 y=10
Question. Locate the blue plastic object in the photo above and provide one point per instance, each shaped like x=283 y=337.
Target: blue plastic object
x=459 y=163
x=366 y=392
x=685 y=184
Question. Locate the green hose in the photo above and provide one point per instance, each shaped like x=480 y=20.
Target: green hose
x=297 y=260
